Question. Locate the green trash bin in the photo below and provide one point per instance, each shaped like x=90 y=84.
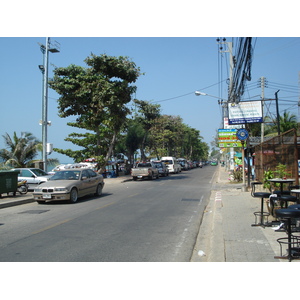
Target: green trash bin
x=8 y=182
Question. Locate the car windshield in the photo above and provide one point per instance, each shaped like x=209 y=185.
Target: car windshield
x=144 y=165
x=39 y=172
x=167 y=161
x=66 y=175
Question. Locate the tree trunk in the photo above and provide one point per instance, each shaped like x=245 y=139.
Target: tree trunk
x=143 y=156
x=111 y=147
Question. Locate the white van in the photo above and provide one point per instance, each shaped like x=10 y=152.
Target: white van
x=172 y=164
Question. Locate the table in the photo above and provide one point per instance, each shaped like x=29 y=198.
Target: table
x=284 y=199
x=281 y=181
x=296 y=191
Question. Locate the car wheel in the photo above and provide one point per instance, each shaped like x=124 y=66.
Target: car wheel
x=73 y=195
x=99 y=190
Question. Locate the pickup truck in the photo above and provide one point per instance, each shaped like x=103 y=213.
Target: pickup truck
x=145 y=169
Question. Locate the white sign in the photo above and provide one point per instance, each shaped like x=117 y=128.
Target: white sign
x=245 y=112
x=226 y=126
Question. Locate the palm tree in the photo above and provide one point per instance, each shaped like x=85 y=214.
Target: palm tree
x=288 y=121
x=20 y=151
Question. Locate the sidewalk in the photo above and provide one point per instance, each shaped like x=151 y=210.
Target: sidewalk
x=226 y=234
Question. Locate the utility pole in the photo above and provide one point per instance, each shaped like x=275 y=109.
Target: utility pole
x=45 y=105
x=231 y=66
x=230 y=100
x=45 y=50
x=277 y=112
x=299 y=96
x=262 y=85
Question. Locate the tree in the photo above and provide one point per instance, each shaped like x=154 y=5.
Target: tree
x=21 y=150
x=288 y=121
x=148 y=112
x=162 y=137
x=131 y=140
x=170 y=136
x=97 y=96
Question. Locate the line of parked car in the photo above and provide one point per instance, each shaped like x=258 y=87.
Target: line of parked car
x=73 y=182
x=163 y=167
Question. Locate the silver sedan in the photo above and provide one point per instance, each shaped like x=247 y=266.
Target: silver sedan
x=69 y=185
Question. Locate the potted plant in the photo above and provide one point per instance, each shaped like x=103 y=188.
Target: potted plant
x=281 y=171
x=266 y=183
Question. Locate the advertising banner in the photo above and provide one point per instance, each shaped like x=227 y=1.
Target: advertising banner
x=245 y=112
x=228 y=138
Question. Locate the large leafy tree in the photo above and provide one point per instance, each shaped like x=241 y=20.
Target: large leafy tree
x=170 y=136
x=19 y=151
x=147 y=114
x=97 y=96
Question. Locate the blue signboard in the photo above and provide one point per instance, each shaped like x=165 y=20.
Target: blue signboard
x=245 y=112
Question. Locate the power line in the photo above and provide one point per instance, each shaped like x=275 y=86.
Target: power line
x=202 y=89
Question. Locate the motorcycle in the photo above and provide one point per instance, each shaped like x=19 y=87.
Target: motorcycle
x=22 y=187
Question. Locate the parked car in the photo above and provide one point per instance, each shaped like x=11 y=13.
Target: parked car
x=33 y=176
x=162 y=168
x=144 y=170
x=191 y=165
x=172 y=164
x=69 y=185
x=183 y=163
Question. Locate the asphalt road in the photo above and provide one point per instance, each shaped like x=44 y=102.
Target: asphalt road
x=142 y=221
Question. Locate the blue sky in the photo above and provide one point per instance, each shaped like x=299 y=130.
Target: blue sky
x=173 y=44
x=174 y=68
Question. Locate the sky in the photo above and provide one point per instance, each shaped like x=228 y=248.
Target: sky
x=176 y=63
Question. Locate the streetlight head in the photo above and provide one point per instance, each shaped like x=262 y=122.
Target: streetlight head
x=42 y=68
x=197 y=93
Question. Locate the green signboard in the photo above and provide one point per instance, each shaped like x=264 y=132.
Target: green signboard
x=228 y=138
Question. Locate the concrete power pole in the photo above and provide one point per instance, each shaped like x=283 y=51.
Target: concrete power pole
x=262 y=85
x=229 y=44
x=299 y=96
x=230 y=100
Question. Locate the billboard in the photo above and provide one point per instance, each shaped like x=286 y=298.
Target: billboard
x=228 y=138
x=245 y=112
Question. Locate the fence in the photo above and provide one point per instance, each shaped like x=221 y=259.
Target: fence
x=281 y=149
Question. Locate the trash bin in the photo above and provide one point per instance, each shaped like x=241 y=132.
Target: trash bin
x=8 y=182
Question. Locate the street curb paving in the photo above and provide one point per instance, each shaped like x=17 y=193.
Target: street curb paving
x=16 y=202
x=207 y=236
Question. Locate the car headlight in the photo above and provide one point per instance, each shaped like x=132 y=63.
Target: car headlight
x=61 y=190
x=38 y=190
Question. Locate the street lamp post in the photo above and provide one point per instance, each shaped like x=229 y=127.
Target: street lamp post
x=221 y=101
x=45 y=50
